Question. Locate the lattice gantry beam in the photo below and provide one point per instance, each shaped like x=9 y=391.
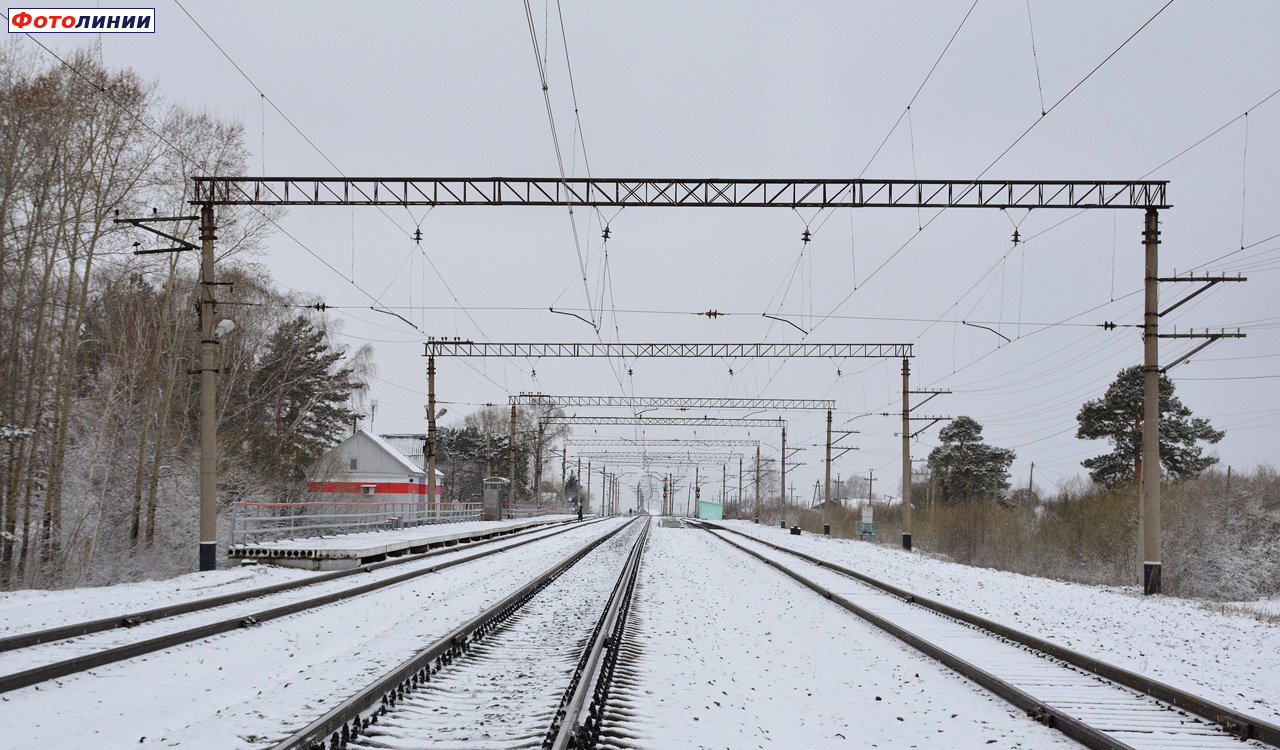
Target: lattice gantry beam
x=747 y=193
x=663 y=443
x=672 y=402
x=666 y=422
x=604 y=457
x=454 y=348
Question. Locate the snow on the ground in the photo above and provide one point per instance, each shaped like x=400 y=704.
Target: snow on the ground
x=47 y=653
x=28 y=610
x=246 y=688
x=367 y=541
x=725 y=652
x=1223 y=654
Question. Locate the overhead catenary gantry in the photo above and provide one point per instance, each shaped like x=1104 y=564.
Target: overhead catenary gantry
x=659 y=459
x=1147 y=195
x=460 y=348
x=697 y=192
x=667 y=421
x=661 y=443
x=673 y=402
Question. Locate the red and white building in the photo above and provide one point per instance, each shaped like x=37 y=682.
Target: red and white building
x=367 y=468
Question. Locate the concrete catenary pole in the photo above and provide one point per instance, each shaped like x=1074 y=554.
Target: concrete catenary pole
x=511 y=479
x=738 y=513
x=782 y=486
x=587 y=499
x=537 y=465
x=564 y=460
x=826 y=492
x=906 y=454
x=757 y=506
x=208 y=399
x=1150 y=491
x=431 y=434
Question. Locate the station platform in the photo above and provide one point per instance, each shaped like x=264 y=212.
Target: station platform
x=350 y=550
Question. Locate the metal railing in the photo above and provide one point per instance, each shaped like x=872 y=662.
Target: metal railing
x=253 y=523
x=526 y=511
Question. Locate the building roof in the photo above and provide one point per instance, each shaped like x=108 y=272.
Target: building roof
x=395 y=454
x=387 y=448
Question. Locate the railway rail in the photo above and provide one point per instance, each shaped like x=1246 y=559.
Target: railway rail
x=59 y=639
x=1097 y=704
x=494 y=681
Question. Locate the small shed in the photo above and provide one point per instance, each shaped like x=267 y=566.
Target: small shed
x=366 y=468
x=708 y=511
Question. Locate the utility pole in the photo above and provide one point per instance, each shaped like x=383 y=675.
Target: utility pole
x=1031 y=483
x=724 y=484
x=431 y=433
x=579 y=492
x=782 y=486
x=906 y=455
x=564 y=492
x=604 y=490
x=697 y=490
x=739 y=514
x=208 y=398
x=588 y=498
x=757 y=506
x=871 y=483
x=511 y=486
x=537 y=464
x=1150 y=480
x=826 y=494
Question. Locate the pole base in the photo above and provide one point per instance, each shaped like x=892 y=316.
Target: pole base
x=782 y=524
x=826 y=529
x=1151 y=578
x=208 y=555
x=906 y=542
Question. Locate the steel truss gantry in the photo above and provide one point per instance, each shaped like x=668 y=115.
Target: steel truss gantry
x=674 y=402
x=658 y=459
x=699 y=192
x=665 y=443
x=457 y=348
x=667 y=421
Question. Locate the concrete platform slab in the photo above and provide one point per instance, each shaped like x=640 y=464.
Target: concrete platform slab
x=349 y=550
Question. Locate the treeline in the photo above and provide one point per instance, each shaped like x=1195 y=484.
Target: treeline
x=98 y=411
x=1221 y=534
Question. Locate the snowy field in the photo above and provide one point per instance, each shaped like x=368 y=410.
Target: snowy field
x=722 y=652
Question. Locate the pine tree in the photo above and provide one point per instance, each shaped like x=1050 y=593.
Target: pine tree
x=966 y=467
x=1117 y=417
x=297 y=400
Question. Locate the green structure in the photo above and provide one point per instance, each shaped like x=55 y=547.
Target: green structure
x=710 y=511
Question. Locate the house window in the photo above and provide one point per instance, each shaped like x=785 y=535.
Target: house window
x=354 y=463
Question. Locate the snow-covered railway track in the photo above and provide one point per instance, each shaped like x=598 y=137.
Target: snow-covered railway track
x=1094 y=703
x=32 y=658
x=494 y=681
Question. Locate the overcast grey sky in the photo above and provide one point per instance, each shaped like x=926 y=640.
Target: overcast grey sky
x=752 y=89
